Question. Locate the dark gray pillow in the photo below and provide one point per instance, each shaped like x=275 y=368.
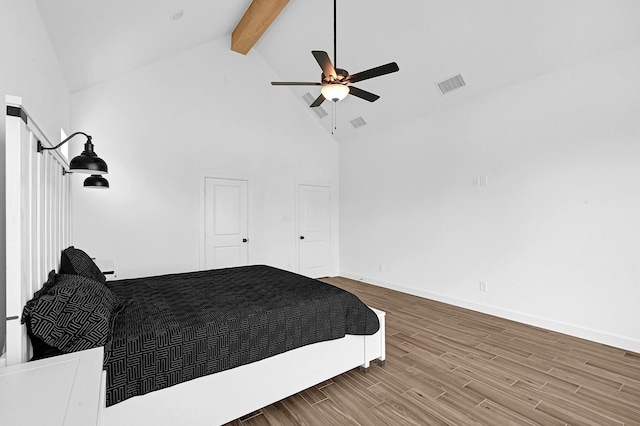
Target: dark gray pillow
x=77 y=262
x=76 y=313
x=51 y=280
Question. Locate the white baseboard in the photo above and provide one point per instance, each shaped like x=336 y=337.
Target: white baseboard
x=560 y=327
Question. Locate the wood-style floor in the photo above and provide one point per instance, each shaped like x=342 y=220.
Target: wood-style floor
x=451 y=366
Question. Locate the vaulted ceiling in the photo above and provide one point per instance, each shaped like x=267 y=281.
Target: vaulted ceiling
x=491 y=43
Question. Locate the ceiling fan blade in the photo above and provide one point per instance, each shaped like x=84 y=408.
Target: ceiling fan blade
x=325 y=63
x=295 y=83
x=319 y=100
x=373 y=72
x=363 y=94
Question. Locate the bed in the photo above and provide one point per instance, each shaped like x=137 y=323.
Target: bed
x=38 y=197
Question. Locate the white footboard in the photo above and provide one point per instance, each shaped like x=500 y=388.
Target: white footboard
x=225 y=396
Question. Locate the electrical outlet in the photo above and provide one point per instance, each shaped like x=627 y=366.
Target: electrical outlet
x=483 y=286
x=381 y=267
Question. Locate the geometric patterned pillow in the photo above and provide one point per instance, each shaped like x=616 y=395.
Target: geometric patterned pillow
x=75 y=314
x=51 y=280
x=77 y=262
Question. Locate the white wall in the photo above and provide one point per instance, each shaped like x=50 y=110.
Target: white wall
x=555 y=234
x=163 y=128
x=30 y=70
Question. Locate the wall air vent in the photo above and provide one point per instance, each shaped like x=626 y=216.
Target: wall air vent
x=308 y=99
x=358 y=122
x=453 y=83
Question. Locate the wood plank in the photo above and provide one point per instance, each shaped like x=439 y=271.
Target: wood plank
x=631 y=390
x=475 y=414
x=563 y=408
x=448 y=383
x=408 y=408
x=482 y=372
x=612 y=374
x=258 y=17
x=580 y=374
x=257 y=420
x=623 y=369
x=338 y=413
x=388 y=415
x=515 y=405
x=303 y=413
x=504 y=416
x=447 y=410
x=617 y=406
x=567 y=416
x=344 y=390
x=313 y=395
x=523 y=372
x=279 y=414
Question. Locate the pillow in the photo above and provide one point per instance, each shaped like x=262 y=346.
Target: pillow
x=51 y=280
x=73 y=315
x=76 y=262
x=40 y=349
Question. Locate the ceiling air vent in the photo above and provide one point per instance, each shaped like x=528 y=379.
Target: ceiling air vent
x=358 y=122
x=320 y=112
x=453 y=83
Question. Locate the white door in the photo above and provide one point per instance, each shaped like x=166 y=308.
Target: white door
x=314 y=248
x=226 y=239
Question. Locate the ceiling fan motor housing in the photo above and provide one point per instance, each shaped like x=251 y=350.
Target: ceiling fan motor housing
x=341 y=76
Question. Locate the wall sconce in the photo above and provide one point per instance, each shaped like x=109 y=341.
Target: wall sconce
x=87 y=162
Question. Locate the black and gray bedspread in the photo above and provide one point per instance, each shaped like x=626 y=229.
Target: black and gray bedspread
x=182 y=326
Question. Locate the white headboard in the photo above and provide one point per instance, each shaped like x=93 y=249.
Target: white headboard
x=37 y=218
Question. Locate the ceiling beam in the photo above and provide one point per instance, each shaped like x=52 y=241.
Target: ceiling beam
x=259 y=15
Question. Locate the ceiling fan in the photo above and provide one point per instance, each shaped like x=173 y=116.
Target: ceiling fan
x=336 y=82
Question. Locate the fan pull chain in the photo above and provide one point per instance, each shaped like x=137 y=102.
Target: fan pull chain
x=333 y=118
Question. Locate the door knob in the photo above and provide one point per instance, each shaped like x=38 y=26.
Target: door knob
x=244 y=240
x=302 y=237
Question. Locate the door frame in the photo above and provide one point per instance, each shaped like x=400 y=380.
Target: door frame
x=202 y=186
x=333 y=223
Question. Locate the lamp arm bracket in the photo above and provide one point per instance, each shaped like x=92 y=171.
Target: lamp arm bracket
x=44 y=148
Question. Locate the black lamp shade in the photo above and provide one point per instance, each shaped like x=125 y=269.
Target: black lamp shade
x=97 y=182
x=88 y=162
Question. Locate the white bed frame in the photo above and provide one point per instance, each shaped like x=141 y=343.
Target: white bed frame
x=39 y=228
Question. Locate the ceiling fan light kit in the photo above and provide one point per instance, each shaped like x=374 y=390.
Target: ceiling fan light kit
x=335 y=81
x=335 y=92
